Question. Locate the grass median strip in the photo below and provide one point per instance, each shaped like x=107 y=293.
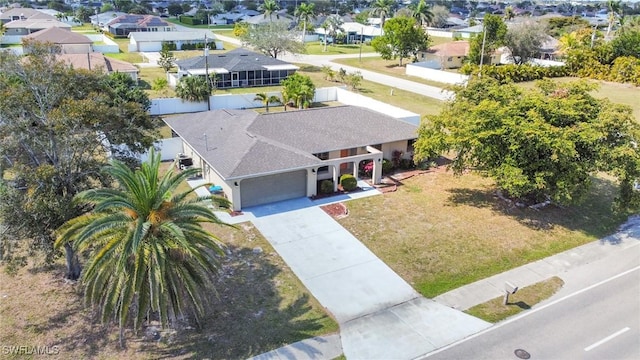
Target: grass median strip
x=494 y=310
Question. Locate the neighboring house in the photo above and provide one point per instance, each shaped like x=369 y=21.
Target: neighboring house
x=354 y=33
x=69 y=42
x=237 y=68
x=449 y=55
x=263 y=158
x=19 y=28
x=468 y=32
x=101 y=19
x=229 y=18
x=281 y=16
x=125 y=24
x=152 y=41
x=550 y=48
x=97 y=61
x=19 y=13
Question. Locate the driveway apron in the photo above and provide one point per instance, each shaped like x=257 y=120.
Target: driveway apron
x=380 y=315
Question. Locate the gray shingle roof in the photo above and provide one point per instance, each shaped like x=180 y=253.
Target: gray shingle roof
x=241 y=143
x=235 y=60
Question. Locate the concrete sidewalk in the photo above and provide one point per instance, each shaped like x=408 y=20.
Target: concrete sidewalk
x=567 y=265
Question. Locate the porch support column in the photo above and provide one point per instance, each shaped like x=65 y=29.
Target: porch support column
x=336 y=177
x=376 y=176
x=355 y=169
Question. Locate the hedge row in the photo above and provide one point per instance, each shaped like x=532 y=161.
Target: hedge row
x=516 y=73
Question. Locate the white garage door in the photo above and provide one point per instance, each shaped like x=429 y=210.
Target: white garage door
x=272 y=188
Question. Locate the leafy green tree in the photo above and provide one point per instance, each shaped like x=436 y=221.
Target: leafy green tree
x=84 y=13
x=175 y=9
x=57 y=126
x=440 y=16
x=268 y=8
x=166 y=59
x=194 y=89
x=148 y=253
x=298 y=91
x=240 y=29
x=538 y=144
x=496 y=31
x=305 y=13
x=524 y=41
x=421 y=13
x=627 y=43
x=382 y=9
x=401 y=39
x=267 y=100
x=272 y=39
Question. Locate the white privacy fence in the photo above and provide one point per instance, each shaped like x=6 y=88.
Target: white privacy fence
x=435 y=75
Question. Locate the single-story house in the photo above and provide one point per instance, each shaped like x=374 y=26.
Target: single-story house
x=101 y=19
x=237 y=68
x=229 y=18
x=354 y=32
x=449 y=55
x=69 y=41
x=22 y=27
x=152 y=41
x=20 y=13
x=124 y=24
x=97 y=61
x=263 y=158
x=468 y=32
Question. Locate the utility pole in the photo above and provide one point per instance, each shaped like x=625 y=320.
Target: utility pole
x=484 y=39
x=206 y=71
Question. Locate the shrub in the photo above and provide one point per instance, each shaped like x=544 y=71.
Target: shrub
x=348 y=182
x=387 y=166
x=326 y=186
x=159 y=84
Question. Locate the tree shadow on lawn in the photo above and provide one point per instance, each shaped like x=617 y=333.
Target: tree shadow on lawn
x=593 y=215
x=247 y=317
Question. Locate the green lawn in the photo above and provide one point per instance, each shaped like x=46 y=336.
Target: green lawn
x=317 y=48
x=440 y=232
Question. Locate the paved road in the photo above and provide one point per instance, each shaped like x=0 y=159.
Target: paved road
x=598 y=322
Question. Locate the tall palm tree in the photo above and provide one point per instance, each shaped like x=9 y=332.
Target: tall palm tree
x=148 y=253
x=325 y=27
x=269 y=7
x=306 y=13
x=193 y=88
x=421 y=13
x=383 y=9
x=333 y=27
x=615 y=12
x=509 y=13
x=266 y=100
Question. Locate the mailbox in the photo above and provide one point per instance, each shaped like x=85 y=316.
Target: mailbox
x=510 y=288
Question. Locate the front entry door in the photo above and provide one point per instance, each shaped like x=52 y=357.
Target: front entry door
x=234 y=79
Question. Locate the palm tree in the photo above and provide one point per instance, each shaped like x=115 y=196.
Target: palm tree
x=193 y=88
x=333 y=26
x=325 y=27
x=305 y=12
x=421 y=13
x=266 y=100
x=615 y=12
x=328 y=72
x=269 y=7
x=382 y=8
x=148 y=255
x=509 y=13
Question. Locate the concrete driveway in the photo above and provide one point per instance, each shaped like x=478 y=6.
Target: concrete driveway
x=380 y=315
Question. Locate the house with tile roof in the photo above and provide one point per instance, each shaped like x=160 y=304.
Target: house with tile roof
x=125 y=24
x=99 y=62
x=69 y=42
x=237 y=68
x=21 y=22
x=262 y=158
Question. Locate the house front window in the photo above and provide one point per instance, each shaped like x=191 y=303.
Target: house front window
x=410 y=145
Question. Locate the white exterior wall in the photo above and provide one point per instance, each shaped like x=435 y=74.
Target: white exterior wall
x=11 y=39
x=440 y=33
x=167 y=148
x=389 y=148
x=175 y=106
x=109 y=46
x=435 y=75
x=76 y=48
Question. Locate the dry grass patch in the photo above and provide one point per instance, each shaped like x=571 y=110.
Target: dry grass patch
x=440 y=232
x=494 y=310
x=388 y=67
